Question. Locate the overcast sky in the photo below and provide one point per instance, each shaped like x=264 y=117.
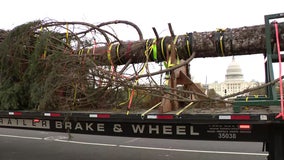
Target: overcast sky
x=184 y=15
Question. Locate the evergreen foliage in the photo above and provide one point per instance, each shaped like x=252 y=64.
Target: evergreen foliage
x=42 y=68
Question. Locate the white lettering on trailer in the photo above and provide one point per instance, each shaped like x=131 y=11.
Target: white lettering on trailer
x=167 y=129
x=227 y=131
x=180 y=130
x=26 y=123
x=192 y=132
x=79 y=126
x=117 y=128
x=138 y=128
x=58 y=125
x=153 y=129
x=68 y=125
x=89 y=127
x=100 y=127
x=263 y=117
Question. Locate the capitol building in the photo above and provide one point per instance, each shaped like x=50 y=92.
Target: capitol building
x=234 y=81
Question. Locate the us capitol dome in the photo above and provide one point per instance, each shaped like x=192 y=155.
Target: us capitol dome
x=234 y=72
x=234 y=81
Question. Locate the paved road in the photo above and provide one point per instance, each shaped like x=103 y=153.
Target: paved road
x=16 y=144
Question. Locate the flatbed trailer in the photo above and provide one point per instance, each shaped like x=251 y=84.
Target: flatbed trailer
x=219 y=127
x=257 y=126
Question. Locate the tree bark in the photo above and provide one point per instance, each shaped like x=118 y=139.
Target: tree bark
x=229 y=42
x=236 y=41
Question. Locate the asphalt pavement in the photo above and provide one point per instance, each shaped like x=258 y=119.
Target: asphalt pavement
x=18 y=144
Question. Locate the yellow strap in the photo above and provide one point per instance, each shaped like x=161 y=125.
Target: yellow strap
x=167 y=82
x=156 y=105
x=122 y=103
x=184 y=108
x=175 y=40
x=188 y=47
x=109 y=55
x=221 y=40
x=88 y=51
x=178 y=60
x=67 y=34
x=147 y=41
x=162 y=47
x=109 y=58
x=146 y=48
x=221 y=46
x=43 y=56
x=80 y=52
x=117 y=53
x=169 y=63
x=147 y=51
x=220 y=30
x=247 y=99
x=44 y=53
x=166 y=64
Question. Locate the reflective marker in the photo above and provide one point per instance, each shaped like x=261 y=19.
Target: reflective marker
x=15 y=113
x=99 y=115
x=52 y=114
x=160 y=116
x=244 y=126
x=36 y=120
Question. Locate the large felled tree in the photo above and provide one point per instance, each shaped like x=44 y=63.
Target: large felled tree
x=52 y=65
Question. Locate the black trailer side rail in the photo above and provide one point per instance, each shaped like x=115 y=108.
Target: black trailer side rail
x=220 y=127
x=225 y=127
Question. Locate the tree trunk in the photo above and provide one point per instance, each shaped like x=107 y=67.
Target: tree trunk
x=228 y=42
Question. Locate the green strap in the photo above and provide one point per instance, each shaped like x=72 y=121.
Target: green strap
x=154 y=49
